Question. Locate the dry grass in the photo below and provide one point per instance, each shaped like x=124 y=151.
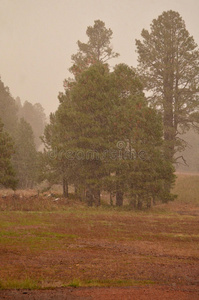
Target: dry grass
x=187 y=188
x=29 y=200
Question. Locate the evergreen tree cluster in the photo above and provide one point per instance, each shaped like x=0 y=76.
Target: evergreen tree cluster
x=103 y=111
x=20 y=130
x=106 y=135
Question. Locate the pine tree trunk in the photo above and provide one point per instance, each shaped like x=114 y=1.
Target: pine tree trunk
x=168 y=123
x=139 y=205
x=96 y=194
x=65 y=187
x=76 y=190
x=168 y=117
x=89 y=197
x=119 y=198
x=133 y=202
x=111 y=199
x=119 y=192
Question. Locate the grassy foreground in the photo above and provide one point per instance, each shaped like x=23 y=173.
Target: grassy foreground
x=46 y=243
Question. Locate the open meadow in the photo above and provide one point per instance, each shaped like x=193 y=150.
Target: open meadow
x=63 y=246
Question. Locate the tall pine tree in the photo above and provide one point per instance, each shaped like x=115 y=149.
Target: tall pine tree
x=169 y=65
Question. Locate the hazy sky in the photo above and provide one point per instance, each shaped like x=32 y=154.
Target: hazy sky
x=38 y=37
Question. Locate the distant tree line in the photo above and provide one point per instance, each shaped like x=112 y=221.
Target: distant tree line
x=20 y=129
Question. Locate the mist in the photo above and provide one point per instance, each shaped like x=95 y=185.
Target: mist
x=38 y=38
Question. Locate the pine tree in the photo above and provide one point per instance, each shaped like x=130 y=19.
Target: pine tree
x=169 y=65
x=97 y=49
x=141 y=173
x=8 y=109
x=25 y=158
x=7 y=174
x=35 y=116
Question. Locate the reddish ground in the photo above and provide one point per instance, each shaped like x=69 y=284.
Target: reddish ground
x=128 y=293
x=103 y=246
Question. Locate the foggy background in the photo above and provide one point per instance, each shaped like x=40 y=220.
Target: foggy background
x=38 y=37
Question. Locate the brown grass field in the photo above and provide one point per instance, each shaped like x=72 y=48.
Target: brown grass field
x=57 y=248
